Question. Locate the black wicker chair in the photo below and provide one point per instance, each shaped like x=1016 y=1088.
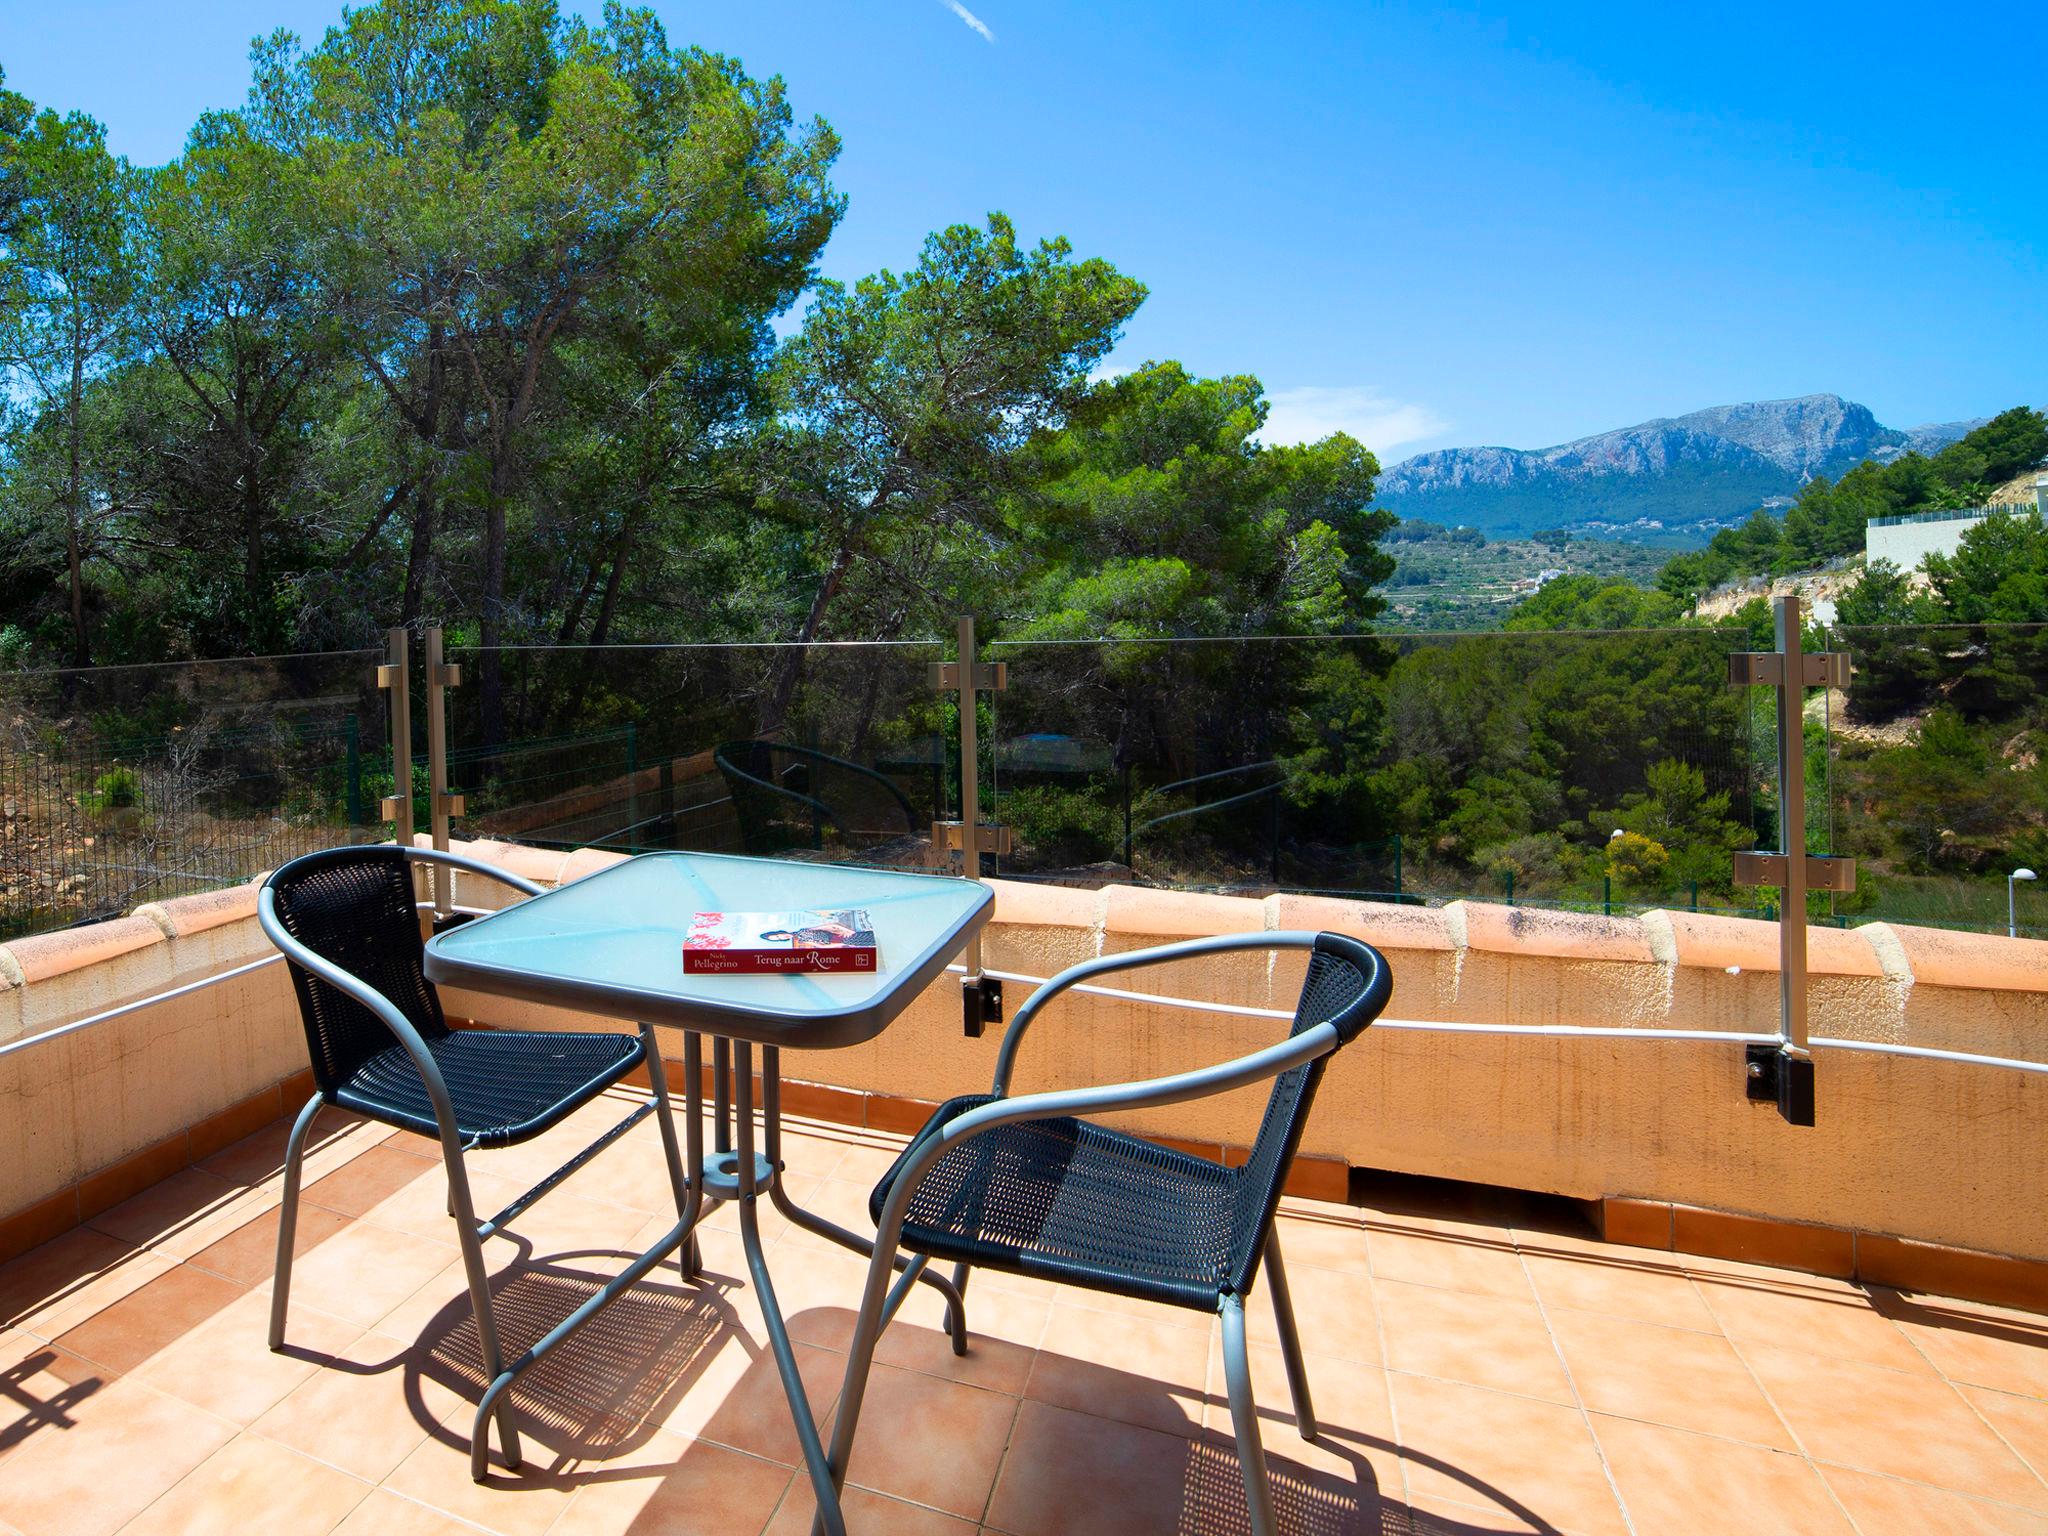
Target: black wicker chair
x=348 y=921
x=1022 y=1185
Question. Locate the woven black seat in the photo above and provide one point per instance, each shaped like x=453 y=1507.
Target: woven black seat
x=506 y=1085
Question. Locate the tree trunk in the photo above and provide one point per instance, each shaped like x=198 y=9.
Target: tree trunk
x=790 y=669
x=491 y=697
x=74 y=534
x=420 y=552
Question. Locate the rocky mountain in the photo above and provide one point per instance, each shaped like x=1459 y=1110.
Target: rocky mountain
x=1674 y=480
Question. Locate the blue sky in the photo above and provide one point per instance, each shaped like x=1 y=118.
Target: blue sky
x=1427 y=225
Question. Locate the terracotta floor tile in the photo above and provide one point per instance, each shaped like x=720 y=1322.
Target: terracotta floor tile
x=1484 y=1266
x=1679 y=1484
x=261 y=1156
x=364 y=1411
x=867 y=1514
x=1122 y=1368
x=247 y=1253
x=1669 y=1376
x=131 y=1445
x=818 y=1290
x=1355 y=1425
x=1858 y=1415
x=1073 y=1474
x=1490 y=1449
x=187 y=1198
x=1316 y=1490
x=1334 y=1311
x=227 y=1367
x=1823 y=1320
x=861 y=1163
x=421 y=1206
x=434 y=1307
x=2006 y=1351
x=930 y=1441
x=151 y=1318
x=385 y=1513
x=43 y=1392
x=2023 y=1421
x=679 y=1488
x=361 y=1274
x=842 y=1203
x=255 y=1485
x=1003 y=1333
x=56 y=1276
x=76 y=1307
x=1884 y=1506
x=734 y=1397
x=522 y=1503
x=372 y=1176
x=1325 y=1241
x=1620 y=1288
x=1484 y=1341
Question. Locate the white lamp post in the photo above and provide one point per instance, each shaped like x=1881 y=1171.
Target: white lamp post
x=2012 y=926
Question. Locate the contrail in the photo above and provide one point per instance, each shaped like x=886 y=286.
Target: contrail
x=971 y=19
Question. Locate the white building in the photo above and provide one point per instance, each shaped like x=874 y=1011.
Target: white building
x=1908 y=540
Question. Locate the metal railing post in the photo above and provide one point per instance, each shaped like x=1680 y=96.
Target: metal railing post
x=982 y=995
x=441 y=804
x=1784 y=1073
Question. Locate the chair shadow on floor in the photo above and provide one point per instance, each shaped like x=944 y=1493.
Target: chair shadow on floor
x=597 y=1398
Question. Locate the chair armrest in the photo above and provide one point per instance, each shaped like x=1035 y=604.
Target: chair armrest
x=1013 y=1037
x=475 y=867
x=362 y=992
x=1295 y=1051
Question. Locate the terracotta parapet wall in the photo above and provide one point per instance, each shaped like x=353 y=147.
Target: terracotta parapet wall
x=1922 y=1152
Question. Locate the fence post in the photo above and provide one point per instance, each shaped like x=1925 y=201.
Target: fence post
x=352 y=732
x=441 y=804
x=393 y=677
x=1397 y=867
x=1511 y=887
x=1607 y=895
x=1273 y=833
x=1127 y=821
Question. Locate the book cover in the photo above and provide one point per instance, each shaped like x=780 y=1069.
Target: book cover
x=769 y=943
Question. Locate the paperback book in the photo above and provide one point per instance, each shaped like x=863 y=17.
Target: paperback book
x=767 y=943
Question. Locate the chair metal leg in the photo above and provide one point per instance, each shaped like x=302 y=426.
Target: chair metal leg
x=860 y=1356
x=486 y=1322
x=1244 y=1416
x=288 y=1217
x=1290 y=1338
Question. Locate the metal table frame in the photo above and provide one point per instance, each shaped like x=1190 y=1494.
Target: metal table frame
x=736 y=1172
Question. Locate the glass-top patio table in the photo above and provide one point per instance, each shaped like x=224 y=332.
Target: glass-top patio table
x=612 y=944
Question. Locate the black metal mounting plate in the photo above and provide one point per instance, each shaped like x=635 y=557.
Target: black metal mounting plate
x=981 y=1004
x=1773 y=1075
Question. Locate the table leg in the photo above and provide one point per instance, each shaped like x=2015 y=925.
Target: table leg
x=810 y=1221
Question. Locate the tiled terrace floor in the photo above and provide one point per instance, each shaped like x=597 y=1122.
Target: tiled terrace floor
x=1476 y=1370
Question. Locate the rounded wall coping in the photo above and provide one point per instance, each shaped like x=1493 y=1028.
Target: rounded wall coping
x=1029 y=904
x=1713 y=941
x=181 y=916
x=1981 y=962
x=42 y=956
x=588 y=861
x=1493 y=929
x=1152 y=912
x=1383 y=924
